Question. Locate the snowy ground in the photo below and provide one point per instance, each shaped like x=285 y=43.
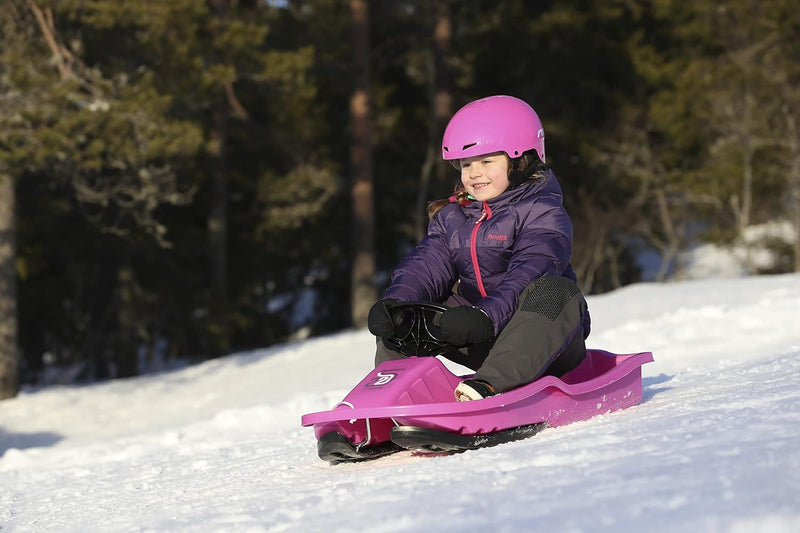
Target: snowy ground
x=714 y=446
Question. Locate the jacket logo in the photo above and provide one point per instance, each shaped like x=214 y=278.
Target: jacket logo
x=493 y=237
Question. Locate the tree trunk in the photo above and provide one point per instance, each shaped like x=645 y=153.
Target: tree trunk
x=218 y=213
x=218 y=216
x=440 y=97
x=793 y=179
x=8 y=290
x=363 y=291
x=747 y=163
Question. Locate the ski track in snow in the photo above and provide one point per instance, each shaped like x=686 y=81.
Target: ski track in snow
x=714 y=445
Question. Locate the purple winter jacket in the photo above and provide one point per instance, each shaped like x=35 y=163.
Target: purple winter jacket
x=494 y=248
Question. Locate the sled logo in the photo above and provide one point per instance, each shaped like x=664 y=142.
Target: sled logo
x=382 y=379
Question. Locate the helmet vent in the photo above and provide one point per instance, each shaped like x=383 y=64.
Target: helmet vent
x=468 y=146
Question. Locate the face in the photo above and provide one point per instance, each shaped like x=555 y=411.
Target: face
x=486 y=176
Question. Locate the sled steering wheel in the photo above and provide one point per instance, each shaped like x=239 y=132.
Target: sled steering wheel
x=417 y=327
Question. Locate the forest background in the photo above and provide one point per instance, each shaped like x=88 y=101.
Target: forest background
x=184 y=179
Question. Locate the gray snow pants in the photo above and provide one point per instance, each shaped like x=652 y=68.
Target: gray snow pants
x=544 y=337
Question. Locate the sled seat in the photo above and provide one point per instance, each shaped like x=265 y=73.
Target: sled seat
x=596 y=363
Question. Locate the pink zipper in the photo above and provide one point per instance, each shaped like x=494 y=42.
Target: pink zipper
x=473 y=249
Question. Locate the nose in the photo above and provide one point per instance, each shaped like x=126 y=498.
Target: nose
x=474 y=170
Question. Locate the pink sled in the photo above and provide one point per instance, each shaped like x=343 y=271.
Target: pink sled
x=418 y=391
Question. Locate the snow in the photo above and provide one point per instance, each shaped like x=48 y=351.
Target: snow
x=756 y=250
x=714 y=445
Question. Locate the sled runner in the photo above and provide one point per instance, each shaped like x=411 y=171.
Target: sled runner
x=409 y=403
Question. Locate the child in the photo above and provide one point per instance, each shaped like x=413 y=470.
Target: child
x=497 y=254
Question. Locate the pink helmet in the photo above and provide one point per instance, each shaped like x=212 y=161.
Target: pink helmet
x=493 y=124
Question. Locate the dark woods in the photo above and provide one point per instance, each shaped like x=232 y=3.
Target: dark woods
x=184 y=179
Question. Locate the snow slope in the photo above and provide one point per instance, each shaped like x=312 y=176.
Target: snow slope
x=714 y=446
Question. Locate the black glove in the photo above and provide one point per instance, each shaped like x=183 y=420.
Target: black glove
x=466 y=325
x=379 y=320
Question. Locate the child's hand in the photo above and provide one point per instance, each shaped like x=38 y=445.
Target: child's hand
x=379 y=320
x=466 y=325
